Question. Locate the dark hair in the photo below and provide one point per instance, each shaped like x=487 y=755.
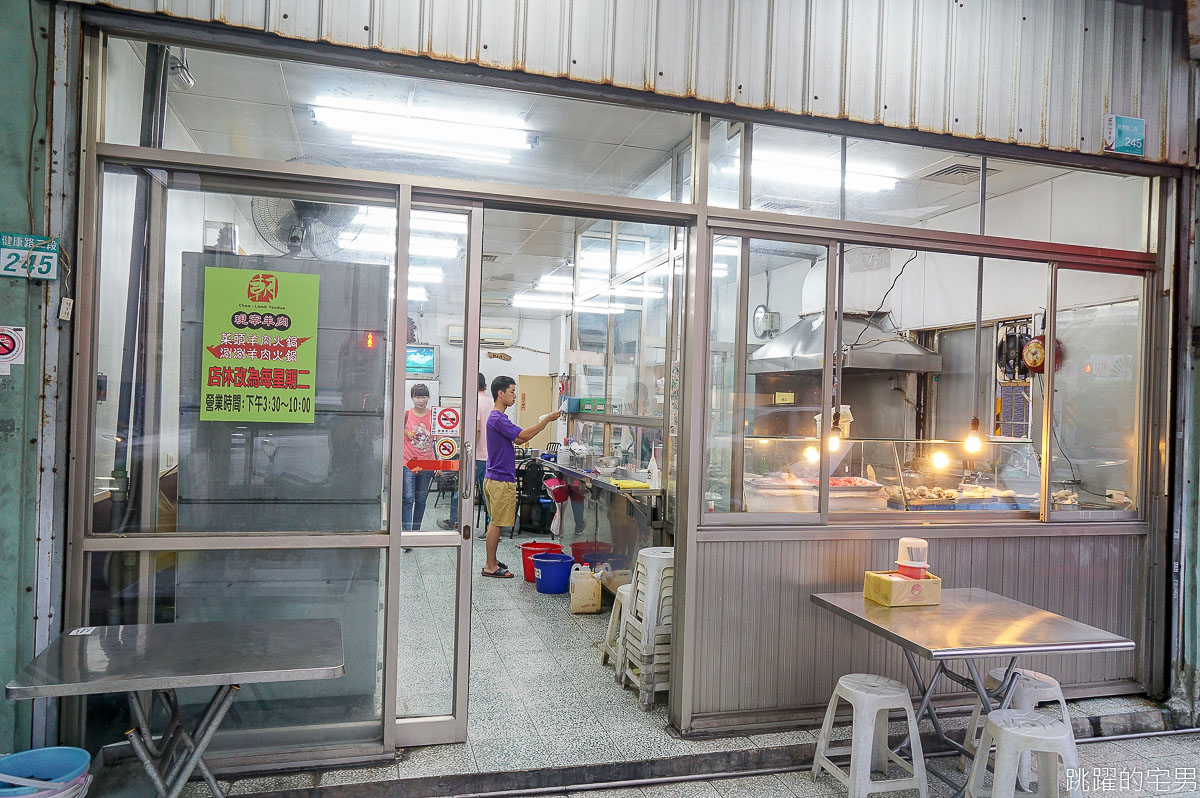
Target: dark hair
x=419 y=389
x=482 y=382
x=500 y=384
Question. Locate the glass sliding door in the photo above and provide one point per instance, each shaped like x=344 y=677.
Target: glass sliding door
x=436 y=397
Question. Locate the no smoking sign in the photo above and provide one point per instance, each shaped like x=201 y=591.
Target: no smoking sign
x=446 y=421
x=447 y=448
x=12 y=348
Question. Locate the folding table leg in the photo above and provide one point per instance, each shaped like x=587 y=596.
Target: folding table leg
x=169 y=773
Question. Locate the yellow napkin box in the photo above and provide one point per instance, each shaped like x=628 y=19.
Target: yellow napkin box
x=892 y=590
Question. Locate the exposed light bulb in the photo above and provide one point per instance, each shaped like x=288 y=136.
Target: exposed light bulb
x=973 y=444
x=835 y=438
x=811 y=454
x=940 y=459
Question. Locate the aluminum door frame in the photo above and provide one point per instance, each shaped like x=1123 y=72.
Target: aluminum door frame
x=452 y=728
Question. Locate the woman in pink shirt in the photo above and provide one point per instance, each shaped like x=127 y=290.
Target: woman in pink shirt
x=418 y=445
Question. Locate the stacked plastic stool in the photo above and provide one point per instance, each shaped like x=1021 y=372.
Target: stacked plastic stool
x=644 y=653
x=1032 y=689
x=1015 y=732
x=616 y=628
x=872 y=698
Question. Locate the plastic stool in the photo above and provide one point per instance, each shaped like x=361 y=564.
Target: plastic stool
x=1015 y=732
x=1032 y=689
x=871 y=697
x=614 y=638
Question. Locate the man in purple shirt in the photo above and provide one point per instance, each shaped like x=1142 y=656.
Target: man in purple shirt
x=500 y=478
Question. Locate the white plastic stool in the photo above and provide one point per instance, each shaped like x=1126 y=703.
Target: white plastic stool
x=1015 y=732
x=653 y=564
x=613 y=639
x=871 y=697
x=1032 y=689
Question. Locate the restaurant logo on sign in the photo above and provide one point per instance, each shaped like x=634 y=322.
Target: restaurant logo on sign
x=259 y=360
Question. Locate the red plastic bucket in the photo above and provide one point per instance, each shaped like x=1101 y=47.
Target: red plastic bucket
x=530 y=549
x=590 y=551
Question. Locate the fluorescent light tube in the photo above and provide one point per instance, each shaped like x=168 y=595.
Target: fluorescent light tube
x=422 y=148
x=425 y=274
x=409 y=128
x=417 y=293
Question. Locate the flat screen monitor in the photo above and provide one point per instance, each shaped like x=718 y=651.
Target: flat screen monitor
x=421 y=360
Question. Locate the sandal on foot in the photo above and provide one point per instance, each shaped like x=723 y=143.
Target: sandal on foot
x=499 y=573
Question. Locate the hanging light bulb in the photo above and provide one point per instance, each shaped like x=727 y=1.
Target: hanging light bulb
x=811 y=454
x=835 y=433
x=973 y=444
x=940 y=459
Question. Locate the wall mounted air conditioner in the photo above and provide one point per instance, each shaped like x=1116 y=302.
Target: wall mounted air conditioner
x=489 y=337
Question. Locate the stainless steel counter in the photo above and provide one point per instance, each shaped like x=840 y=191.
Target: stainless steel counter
x=603 y=483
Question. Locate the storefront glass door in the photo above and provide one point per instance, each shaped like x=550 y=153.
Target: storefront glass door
x=274 y=434
x=435 y=432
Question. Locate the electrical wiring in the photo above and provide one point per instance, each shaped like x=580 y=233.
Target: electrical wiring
x=883 y=301
x=36 y=118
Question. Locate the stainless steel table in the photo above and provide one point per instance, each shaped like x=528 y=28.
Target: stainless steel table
x=969 y=624
x=162 y=658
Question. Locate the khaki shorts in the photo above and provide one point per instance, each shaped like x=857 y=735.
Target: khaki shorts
x=501 y=498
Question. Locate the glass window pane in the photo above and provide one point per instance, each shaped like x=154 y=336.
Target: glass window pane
x=225 y=408
x=201 y=586
x=1067 y=206
x=283 y=110
x=796 y=171
x=765 y=458
x=722 y=349
x=910 y=186
x=428 y=601
x=1097 y=391
x=724 y=163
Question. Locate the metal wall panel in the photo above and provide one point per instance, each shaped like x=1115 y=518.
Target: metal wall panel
x=1032 y=72
x=765 y=646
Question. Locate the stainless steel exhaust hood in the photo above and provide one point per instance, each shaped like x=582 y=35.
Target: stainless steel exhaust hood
x=869 y=347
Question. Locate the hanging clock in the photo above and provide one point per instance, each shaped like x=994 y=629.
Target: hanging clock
x=765 y=322
x=1034 y=354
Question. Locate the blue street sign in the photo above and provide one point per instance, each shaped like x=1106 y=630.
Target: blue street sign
x=1125 y=135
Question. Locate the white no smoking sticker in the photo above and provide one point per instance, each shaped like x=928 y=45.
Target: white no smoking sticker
x=446 y=420
x=12 y=348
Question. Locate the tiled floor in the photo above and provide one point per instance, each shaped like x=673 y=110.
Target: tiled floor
x=539 y=696
x=1163 y=766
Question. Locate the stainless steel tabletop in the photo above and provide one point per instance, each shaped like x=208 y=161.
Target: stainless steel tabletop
x=117 y=659
x=972 y=623
x=602 y=482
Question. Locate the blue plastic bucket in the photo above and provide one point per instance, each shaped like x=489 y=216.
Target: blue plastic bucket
x=62 y=765
x=552 y=572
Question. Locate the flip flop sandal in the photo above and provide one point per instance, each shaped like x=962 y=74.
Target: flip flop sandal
x=499 y=573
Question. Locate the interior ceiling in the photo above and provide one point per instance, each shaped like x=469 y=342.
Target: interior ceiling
x=263 y=108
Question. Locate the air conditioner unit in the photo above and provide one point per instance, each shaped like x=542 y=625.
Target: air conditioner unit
x=489 y=337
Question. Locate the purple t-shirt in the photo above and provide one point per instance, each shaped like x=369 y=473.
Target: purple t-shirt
x=502 y=460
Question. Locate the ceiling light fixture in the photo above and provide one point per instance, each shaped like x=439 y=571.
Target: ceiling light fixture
x=417 y=293
x=423 y=148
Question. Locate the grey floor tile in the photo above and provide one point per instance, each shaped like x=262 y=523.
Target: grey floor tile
x=509 y=754
x=804 y=785
x=436 y=760
x=285 y=781
x=682 y=789
x=784 y=738
x=358 y=775
x=715 y=745
x=592 y=750
x=198 y=789
x=752 y=787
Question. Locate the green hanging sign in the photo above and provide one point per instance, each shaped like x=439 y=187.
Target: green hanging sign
x=259 y=358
